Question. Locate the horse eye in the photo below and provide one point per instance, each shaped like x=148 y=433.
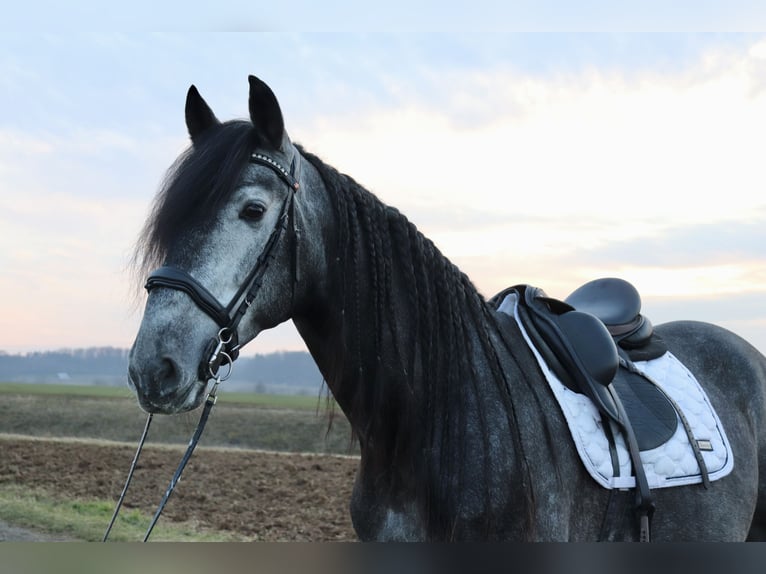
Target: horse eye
x=253 y=211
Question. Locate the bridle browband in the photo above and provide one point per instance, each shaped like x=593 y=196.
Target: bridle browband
x=224 y=349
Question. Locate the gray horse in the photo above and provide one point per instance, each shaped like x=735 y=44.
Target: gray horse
x=460 y=437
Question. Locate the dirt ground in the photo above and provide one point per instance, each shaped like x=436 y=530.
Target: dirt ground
x=260 y=495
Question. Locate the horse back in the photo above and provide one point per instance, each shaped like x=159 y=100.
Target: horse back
x=730 y=369
x=733 y=374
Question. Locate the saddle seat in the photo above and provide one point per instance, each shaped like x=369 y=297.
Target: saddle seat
x=617 y=304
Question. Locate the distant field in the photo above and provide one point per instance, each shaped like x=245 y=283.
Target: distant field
x=53 y=389
x=256 y=399
x=271 y=422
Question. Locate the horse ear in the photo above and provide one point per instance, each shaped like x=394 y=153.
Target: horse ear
x=265 y=113
x=199 y=116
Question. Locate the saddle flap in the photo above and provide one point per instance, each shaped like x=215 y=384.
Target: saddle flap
x=575 y=345
x=592 y=343
x=651 y=414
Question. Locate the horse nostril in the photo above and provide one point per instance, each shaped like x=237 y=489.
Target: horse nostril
x=134 y=376
x=160 y=378
x=167 y=374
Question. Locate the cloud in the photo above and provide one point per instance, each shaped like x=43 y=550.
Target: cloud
x=549 y=171
x=71 y=206
x=744 y=314
x=672 y=149
x=430 y=15
x=716 y=243
x=716 y=307
x=649 y=172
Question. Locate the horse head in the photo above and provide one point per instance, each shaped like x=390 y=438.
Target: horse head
x=224 y=231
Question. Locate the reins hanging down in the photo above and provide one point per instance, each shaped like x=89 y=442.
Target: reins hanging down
x=210 y=401
x=223 y=349
x=141 y=442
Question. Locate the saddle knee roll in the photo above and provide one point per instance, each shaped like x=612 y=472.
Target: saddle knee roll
x=592 y=343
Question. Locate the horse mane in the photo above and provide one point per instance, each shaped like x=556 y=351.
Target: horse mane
x=387 y=270
x=198 y=183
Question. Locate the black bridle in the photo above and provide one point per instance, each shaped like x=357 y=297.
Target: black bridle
x=224 y=348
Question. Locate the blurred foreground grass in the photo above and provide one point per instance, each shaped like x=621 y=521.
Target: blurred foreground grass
x=83 y=520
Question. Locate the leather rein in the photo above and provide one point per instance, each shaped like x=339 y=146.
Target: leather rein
x=222 y=350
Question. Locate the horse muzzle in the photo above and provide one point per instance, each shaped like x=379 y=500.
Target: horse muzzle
x=162 y=388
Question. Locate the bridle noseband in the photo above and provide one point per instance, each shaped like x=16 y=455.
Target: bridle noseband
x=224 y=349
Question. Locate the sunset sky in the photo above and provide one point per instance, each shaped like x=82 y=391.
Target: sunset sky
x=542 y=158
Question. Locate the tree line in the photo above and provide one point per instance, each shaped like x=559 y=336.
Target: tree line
x=293 y=368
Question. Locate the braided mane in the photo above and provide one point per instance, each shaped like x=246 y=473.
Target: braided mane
x=408 y=383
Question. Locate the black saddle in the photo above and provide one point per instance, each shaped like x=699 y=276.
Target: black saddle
x=590 y=341
x=579 y=346
x=618 y=305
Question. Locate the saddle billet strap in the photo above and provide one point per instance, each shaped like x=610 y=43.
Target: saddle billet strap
x=611 y=507
x=644 y=501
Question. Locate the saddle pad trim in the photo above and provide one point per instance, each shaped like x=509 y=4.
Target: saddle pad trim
x=672 y=464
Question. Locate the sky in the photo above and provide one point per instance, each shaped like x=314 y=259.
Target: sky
x=549 y=158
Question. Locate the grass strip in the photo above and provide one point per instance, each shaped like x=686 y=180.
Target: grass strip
x=86 y=520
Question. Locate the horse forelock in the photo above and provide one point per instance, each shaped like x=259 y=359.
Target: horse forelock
x=195 y=187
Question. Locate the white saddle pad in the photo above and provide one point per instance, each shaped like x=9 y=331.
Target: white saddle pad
x=671 y=464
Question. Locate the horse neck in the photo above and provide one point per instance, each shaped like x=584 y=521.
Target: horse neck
x=414 y=358
x=394 y=324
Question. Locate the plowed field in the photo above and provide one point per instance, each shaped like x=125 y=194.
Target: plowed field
x=260 y=495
